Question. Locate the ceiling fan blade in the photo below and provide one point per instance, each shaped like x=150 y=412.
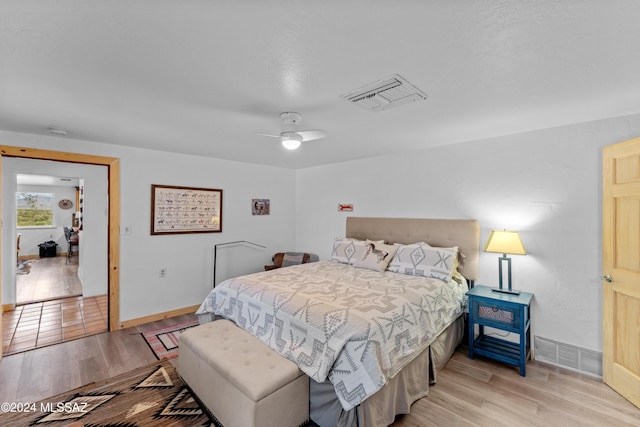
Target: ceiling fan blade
x=268 y=134
x=310 y=135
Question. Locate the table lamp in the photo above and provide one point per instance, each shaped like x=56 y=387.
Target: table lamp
x=505 y=242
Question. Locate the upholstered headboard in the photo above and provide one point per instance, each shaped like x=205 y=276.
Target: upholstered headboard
x=463 y=233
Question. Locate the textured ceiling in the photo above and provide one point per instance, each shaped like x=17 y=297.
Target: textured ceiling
x=202 y=76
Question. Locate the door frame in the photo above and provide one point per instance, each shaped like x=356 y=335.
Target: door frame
x=113 y=235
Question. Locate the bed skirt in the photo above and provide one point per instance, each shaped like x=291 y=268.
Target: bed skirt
x=396 y=397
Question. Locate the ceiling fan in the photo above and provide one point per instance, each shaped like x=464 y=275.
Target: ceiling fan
x=290 y=137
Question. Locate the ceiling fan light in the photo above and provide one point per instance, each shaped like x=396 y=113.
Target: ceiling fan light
x=291 y=142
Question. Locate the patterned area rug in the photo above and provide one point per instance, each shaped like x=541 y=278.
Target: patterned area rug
x=164 y=341
x=153 y=395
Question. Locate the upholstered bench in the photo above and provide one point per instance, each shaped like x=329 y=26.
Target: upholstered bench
x=240 y=379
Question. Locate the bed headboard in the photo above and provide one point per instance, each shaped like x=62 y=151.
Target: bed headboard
x=463 y=233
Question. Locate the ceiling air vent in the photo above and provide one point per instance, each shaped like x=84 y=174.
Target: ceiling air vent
x=385 y=93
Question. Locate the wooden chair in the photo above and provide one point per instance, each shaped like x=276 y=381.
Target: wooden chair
x=18 y=248
x=285 y=259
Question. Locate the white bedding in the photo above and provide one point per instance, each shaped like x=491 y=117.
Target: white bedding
x=356 y=327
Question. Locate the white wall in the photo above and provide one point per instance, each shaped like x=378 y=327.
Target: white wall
x=545 y=184
x=187 y=257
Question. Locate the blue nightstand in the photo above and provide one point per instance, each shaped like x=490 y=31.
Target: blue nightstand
x=502 y=311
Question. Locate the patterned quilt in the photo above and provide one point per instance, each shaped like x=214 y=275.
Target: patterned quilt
x=356 y=327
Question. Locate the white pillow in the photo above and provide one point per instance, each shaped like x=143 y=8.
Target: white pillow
x=374 y=256
x=420 y=259
x=344 y=250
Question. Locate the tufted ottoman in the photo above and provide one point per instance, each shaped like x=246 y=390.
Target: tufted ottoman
x=241 y=380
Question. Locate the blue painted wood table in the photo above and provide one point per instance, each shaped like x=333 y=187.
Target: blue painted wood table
x=505 y=312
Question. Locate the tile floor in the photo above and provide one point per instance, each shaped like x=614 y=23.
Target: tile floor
x=43 y=323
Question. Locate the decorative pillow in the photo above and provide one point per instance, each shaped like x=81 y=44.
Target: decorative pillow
x=292 y=258
x=458 y=264
x=374 y=256
x=420 y=259
x=345 y=249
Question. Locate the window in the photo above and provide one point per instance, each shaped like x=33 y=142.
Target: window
x=34 y=209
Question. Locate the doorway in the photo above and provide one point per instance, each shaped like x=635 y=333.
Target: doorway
x=51 y=204
x=113 y=238
x=48 y=208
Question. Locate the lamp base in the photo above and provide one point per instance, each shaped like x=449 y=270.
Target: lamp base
x=506 y=291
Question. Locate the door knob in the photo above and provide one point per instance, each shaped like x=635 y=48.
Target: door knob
x=607 y=277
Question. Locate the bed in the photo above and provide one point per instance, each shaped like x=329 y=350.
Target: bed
x=371 y=341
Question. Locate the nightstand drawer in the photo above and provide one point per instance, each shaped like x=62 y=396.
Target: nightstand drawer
x=491 y=313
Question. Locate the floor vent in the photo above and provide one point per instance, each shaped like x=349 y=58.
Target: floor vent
x=568 y=356
x=385 y=93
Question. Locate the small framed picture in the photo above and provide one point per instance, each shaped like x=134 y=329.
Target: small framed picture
x=260 y=206
x=345 y=207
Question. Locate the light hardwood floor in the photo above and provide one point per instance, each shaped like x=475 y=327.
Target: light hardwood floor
x=482 y=392
x=476 y=392
x=48 y=278
x=36 y=374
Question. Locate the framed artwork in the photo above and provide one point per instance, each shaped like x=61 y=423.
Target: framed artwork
x=260 y=206
x=179 y=210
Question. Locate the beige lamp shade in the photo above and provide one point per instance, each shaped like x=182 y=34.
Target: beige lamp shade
x=505 y=242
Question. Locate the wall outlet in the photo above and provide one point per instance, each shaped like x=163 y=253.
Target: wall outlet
x=163 y=272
